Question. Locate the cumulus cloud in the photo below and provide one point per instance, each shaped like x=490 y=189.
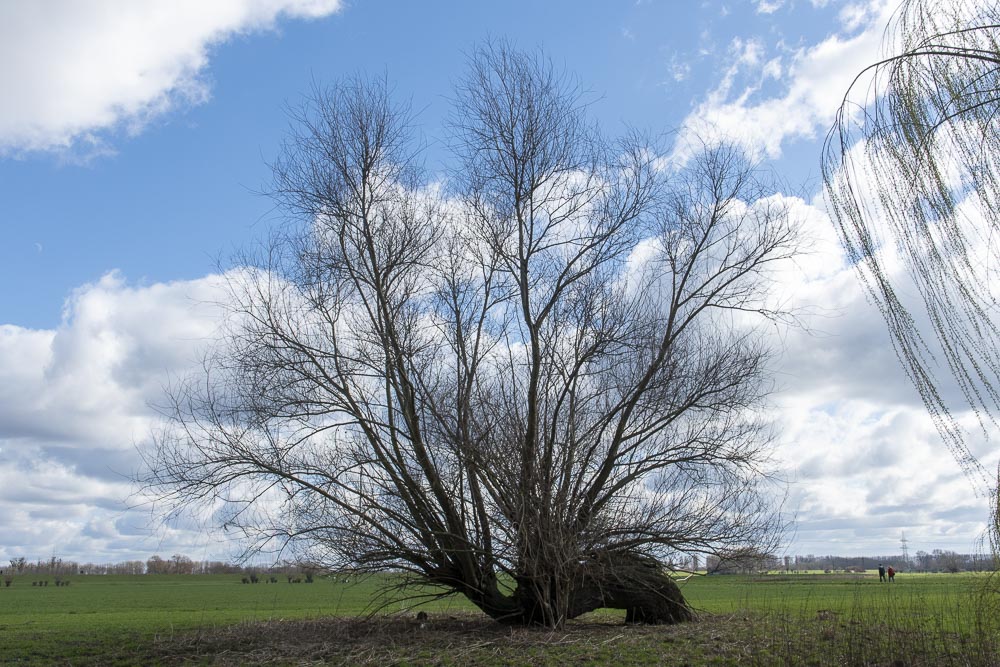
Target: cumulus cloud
x=75 y=400
x=863 y=457
x=865 y=460
x=864 y=473
x=92 y=377
x=78 y=69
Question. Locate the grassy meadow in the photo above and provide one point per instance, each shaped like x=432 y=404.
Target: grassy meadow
x=774 y=619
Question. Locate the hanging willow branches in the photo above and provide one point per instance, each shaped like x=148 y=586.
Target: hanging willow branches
x=910 y=168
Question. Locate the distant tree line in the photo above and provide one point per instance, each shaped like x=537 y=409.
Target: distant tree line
x=750 y=561
x=746 y=561
x=937 y=560
x=175 y=564
x=742 y=561
x=51 y=565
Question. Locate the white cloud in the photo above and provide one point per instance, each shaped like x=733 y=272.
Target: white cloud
x=769 y=6
x=93 y=376
x=862 y=473
x=74 y=401
x=813 y=81
x=76 y=69
x=858 y=14
x=863 y=457
x=679 y=69
x=865 y=460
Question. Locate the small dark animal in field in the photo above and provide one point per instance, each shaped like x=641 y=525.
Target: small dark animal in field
x=244 y=580
x=274 y=580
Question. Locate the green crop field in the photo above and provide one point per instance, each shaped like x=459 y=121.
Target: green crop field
x=915 y=594
x=126 y=620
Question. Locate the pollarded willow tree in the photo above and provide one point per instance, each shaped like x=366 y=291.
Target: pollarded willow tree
x=532 y=387
x=911 y=166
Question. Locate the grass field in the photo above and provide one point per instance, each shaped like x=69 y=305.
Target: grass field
x=203 y=619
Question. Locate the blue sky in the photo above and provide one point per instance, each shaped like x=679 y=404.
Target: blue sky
x=133 y=144
x=168 y=201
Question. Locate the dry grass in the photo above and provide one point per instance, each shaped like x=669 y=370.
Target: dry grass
x=441 y=639
x=828 y=638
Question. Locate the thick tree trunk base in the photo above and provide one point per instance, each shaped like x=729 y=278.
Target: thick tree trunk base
x=631 y=582
x=636 y=584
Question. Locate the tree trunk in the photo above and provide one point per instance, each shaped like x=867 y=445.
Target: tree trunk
x=631 y=582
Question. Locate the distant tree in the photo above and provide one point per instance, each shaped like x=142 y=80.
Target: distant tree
x=156 y=565
x=746 y=560
x=949 y=561
x=123 y=567
x=911 y=165
x=219 y=567
x=181 y=564
x=533 y=390
x=18 y=564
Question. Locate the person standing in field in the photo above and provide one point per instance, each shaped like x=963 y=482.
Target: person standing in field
x=881 y=573
x=892 y=574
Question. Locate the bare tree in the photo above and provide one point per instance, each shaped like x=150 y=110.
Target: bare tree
x=911 y=166
x=156 y=565
x=531 y=389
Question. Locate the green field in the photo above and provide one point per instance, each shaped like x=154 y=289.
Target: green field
x=146 y=619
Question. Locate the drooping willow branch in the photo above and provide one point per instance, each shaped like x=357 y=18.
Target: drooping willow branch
x=910 y=168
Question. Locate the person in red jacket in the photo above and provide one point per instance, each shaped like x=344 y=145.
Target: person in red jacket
x=892 y=574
